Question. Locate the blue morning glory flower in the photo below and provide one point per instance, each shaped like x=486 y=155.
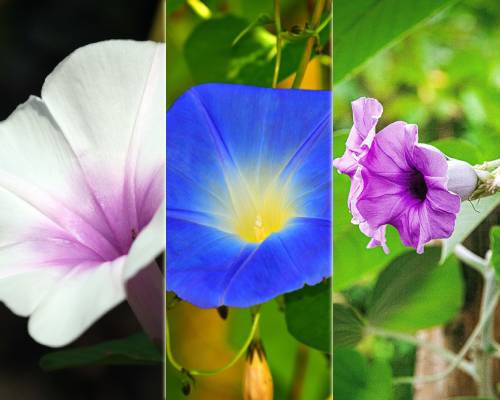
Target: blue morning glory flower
x=248 y=193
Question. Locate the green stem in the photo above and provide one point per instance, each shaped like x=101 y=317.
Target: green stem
x=195 y=372
x=277 y=23
x=471 y=259
x=448 y=355
x=306 y=55
x=484 y=360
x=483 y=319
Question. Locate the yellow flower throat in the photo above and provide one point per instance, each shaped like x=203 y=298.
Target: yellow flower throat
x=259 y=210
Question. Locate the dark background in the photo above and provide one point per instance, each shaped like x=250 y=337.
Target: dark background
x=34 y=37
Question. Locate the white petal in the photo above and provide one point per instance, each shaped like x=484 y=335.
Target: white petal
x=148 y=245
x=23 y=291
x=71 y=167
x=113 y=117
x=76 y=302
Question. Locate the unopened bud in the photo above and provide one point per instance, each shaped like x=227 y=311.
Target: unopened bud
x=462 y=179
x=257 y=380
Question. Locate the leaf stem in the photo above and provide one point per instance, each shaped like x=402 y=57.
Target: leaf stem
x=471 y=259
x=279 y=42
x=306 y=55
x=196 y=372
x=448 y=355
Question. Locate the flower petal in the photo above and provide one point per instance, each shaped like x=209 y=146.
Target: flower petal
x=286 y=261
x=429 y=161
x=72 y=166
x=213 y=268
x=199 y=259
x=108 y=100
x=77 y=301
x=391 y=150
x=147 y=246
x=270 y=141
x=381 y=199
x=366 y=113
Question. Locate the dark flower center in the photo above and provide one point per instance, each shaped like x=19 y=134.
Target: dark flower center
x=417 y=186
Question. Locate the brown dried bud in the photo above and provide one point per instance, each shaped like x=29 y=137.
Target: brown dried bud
x=223 y=311
x=186 y=388
x=257 y=380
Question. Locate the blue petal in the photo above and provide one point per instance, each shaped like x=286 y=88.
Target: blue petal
x=216 y=131
x=210 y=268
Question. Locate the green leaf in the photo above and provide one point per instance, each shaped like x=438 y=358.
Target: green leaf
x=211 y=56
x=415 y=292
x=347 y=326
x=354 y=378
x=364 y=27
x=262 y=20
x=133 y=350
x=308 y=313
x=458 y=148
x=495 y=249
x=470 y=216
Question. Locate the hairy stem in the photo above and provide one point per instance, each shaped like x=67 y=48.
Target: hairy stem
x=448 y=355
x=306 y=55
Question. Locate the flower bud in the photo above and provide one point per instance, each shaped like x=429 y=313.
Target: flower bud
x=257 y=380
x=462 y=179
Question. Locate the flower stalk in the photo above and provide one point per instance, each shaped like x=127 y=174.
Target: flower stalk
x=194 y=372
x=306 y=55
x=279 y=41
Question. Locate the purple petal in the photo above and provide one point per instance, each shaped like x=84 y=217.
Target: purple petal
x=366 y=113
x=429 y=161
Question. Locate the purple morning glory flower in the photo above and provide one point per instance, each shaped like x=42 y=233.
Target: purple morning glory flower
x=248 y=193
x=82 y=187
x=396 y=181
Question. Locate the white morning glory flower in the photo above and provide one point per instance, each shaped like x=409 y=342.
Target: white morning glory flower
x=82 y=187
